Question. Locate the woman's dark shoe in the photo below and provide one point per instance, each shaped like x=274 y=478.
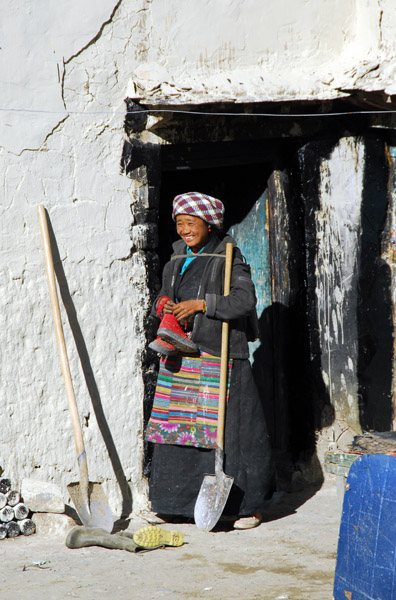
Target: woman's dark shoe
x=248 y=522
x=170 y=331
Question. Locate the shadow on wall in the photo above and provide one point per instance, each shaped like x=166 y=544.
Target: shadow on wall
x=89 y=377
x=375 y=327
x=284 y=374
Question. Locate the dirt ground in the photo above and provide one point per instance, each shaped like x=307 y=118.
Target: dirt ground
x=291 y=556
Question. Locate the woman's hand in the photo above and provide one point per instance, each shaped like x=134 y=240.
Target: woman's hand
x=185 y=309
x=168 y=307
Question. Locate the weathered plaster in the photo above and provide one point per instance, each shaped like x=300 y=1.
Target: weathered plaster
x=338 y=228
x=289 y=51
x=71 y=164
x=36 y=40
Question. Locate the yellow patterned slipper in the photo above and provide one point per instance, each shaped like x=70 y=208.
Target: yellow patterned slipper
x=154 y=537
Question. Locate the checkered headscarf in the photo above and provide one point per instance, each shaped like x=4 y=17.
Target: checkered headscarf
x=199 y=205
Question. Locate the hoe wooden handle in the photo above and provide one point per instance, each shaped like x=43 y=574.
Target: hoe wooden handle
x=60 y=340
x=224 y=352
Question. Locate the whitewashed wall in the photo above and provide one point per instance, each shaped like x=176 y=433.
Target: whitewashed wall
x=70 y=63
x=249 y=50
x=71 y=165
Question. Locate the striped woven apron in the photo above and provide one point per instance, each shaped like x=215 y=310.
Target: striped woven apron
x=186 y=401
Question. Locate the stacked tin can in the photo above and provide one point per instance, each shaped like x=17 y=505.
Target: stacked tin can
x=13 y=512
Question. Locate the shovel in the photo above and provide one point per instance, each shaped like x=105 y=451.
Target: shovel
x=215 y=489
x=88 y=498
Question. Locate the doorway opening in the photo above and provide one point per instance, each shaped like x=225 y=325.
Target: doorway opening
x=238 y=174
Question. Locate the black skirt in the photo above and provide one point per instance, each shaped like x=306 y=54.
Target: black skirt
x=177 y=471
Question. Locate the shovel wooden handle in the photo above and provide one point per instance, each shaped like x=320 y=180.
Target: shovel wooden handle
x=224 y=352
x=60 y=340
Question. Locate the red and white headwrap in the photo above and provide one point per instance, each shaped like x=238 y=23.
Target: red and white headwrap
x=199 y=205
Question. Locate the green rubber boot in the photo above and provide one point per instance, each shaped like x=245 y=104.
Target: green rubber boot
x=81 y=537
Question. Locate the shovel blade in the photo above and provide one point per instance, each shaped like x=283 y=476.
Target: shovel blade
x=92 y=508
x=211 y=500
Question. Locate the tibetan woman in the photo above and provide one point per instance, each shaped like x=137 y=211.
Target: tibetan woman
x=183 y=423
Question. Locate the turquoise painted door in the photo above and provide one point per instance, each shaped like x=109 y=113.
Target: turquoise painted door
x=251 y=235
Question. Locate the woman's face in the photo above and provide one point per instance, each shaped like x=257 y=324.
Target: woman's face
x=193 y=231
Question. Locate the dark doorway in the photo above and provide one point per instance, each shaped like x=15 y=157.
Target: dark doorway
x=375 y=326
x=238 y=175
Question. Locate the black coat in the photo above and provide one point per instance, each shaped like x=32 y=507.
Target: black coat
x=238 y=307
